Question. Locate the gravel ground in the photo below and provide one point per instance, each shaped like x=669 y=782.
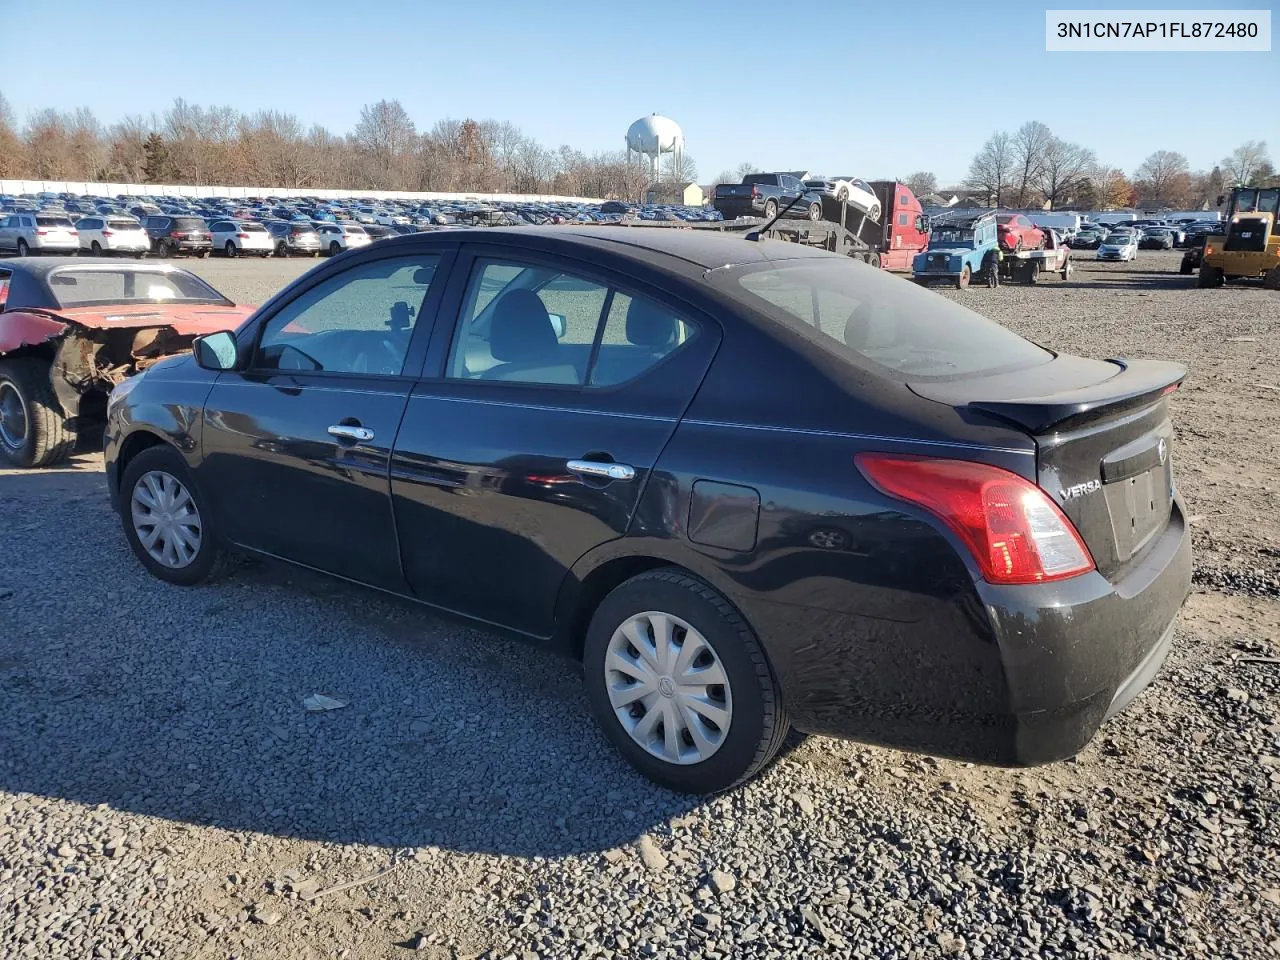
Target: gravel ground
x=164 y=793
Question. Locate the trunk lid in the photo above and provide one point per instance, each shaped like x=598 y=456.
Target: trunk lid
x=1104 y=442
x=734 y=190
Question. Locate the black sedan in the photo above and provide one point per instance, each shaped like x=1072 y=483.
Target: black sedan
x=749 y=485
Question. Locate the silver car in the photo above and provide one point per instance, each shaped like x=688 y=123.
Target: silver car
x=27 y=233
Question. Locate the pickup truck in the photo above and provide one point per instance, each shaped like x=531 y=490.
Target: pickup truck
x=764 y=194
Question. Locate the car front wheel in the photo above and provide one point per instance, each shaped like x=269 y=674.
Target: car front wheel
x=166 y=521
x=680 y=684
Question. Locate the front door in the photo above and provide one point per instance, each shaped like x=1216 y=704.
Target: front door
x=533 y=443
x=296 y=448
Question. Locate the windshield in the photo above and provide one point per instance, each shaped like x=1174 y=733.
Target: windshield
x=1257 y=201
x=1119 y=239
x=863 y=315
x=93 y=286
x=953 y=235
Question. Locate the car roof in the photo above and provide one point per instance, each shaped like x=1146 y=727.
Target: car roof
x=29 y=283
x=702 y=248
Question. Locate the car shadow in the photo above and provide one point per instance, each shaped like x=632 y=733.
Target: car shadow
x=187 y=703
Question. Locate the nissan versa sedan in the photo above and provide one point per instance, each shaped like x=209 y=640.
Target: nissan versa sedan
x=750 y=485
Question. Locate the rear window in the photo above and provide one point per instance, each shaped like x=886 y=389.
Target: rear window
x=188 y=223
x=83 y=286
x=53 y=221
x=861 y=314
x=253 y=228
x=124 y=225
x=352 y=228
x=769 y=179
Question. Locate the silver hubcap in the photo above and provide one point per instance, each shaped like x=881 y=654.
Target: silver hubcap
x=668 y=688
x=13 y=417
x=165 y=519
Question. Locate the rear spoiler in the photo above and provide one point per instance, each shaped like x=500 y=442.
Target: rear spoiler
x=1137 y=384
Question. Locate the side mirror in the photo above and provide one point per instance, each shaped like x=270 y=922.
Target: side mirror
x=559 y=325
x=1222 y=197
x=216 y=351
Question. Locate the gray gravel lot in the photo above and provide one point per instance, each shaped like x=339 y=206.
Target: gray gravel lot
x=163 y=792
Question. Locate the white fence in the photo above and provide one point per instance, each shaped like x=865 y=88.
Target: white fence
x=176 y=190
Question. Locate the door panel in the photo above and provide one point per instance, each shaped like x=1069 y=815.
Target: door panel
x=490 y=515
x=280 y=483
x=296 y=451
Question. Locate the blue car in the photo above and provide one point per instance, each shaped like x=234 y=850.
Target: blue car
x=961 y=247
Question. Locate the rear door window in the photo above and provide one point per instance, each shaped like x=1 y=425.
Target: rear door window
x=864 y=316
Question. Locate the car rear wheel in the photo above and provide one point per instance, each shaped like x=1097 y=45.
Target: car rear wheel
x=815 y=211
x=231 y=250
x=95 y=249
x=842 y=194
x=165 y=519
x=281 y=251
x=33 y=431
x=334 y=249
x=680 y=684
x=23 y=249
x=770 y=209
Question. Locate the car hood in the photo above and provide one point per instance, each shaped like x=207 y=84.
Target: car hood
x=950 y=251
x=187 y=319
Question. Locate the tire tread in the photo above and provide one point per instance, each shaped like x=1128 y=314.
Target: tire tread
x=52 y=441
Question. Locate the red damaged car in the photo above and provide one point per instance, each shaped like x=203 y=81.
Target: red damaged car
x=1017 y=232
x=70 y=331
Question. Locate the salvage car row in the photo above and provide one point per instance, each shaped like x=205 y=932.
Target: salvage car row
x=705 y=551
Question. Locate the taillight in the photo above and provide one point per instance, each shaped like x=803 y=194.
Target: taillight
x=243 y=236
x=1208 y=249
x=1012 y=528
x=106 y=233
x=42 y=233
x=177 y=235
x=755 y=192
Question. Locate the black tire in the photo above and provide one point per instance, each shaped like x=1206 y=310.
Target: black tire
x=770 y=209
x=334 y=249
x=23 y=249
x=759 y=722
x=815 y=211
x=962 y=281
x=843 y=195
x=46 y=438
x=1185 y=269
x=231 y=250
x=139 y=255
x=95 y=249
x=1210 y=276
x=212 y=560
x=873 y=260
x=315 y=253
x=204 y=254
x=281 y=251
x=164 y=249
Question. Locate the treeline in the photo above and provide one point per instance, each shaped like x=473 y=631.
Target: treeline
x=1033 y=167
x=191 y=144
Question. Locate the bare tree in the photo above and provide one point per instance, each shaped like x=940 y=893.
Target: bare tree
x=1029 y=144
x=125 y=146
x=12 y=161
x=922 y=182
x=1063 y=167
x=1245 y=162
x=742 y=169
x=49 y=153
x=681 y=169
x=991 y=168
x=1163 y=177
x=386 y=136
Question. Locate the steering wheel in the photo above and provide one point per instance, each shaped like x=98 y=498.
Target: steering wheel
x=385 y=358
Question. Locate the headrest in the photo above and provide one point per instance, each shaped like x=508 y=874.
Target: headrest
x=521 y=328
x=649 y=325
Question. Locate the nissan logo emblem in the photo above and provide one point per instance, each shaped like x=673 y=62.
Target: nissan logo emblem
x=1163 y=450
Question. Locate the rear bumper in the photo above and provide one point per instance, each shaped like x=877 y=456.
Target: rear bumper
x=734 y=207
x=1007 y=676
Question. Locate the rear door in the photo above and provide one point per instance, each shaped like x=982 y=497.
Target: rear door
x=547 y=403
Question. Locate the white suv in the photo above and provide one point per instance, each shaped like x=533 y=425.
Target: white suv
x=23 y=233
x=237 y=237
x=111 y=235
x=336 y=237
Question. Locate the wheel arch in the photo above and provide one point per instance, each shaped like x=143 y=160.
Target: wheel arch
x=132 y=445
x=610 y=565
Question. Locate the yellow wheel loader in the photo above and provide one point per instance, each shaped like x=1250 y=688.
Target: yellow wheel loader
x=1249 y=245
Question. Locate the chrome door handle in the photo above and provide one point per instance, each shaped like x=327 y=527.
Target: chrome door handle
x=604 y=471
x=344 y=431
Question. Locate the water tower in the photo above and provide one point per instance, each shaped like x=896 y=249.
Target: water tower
x=652 y=136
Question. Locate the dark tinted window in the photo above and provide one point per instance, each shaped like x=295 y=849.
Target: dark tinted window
x=764 y=178
x=863 y=315
x=121 y=224
x=188 y=223
x=47 y=221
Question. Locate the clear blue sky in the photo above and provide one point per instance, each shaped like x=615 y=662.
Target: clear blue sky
x=870 y=89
